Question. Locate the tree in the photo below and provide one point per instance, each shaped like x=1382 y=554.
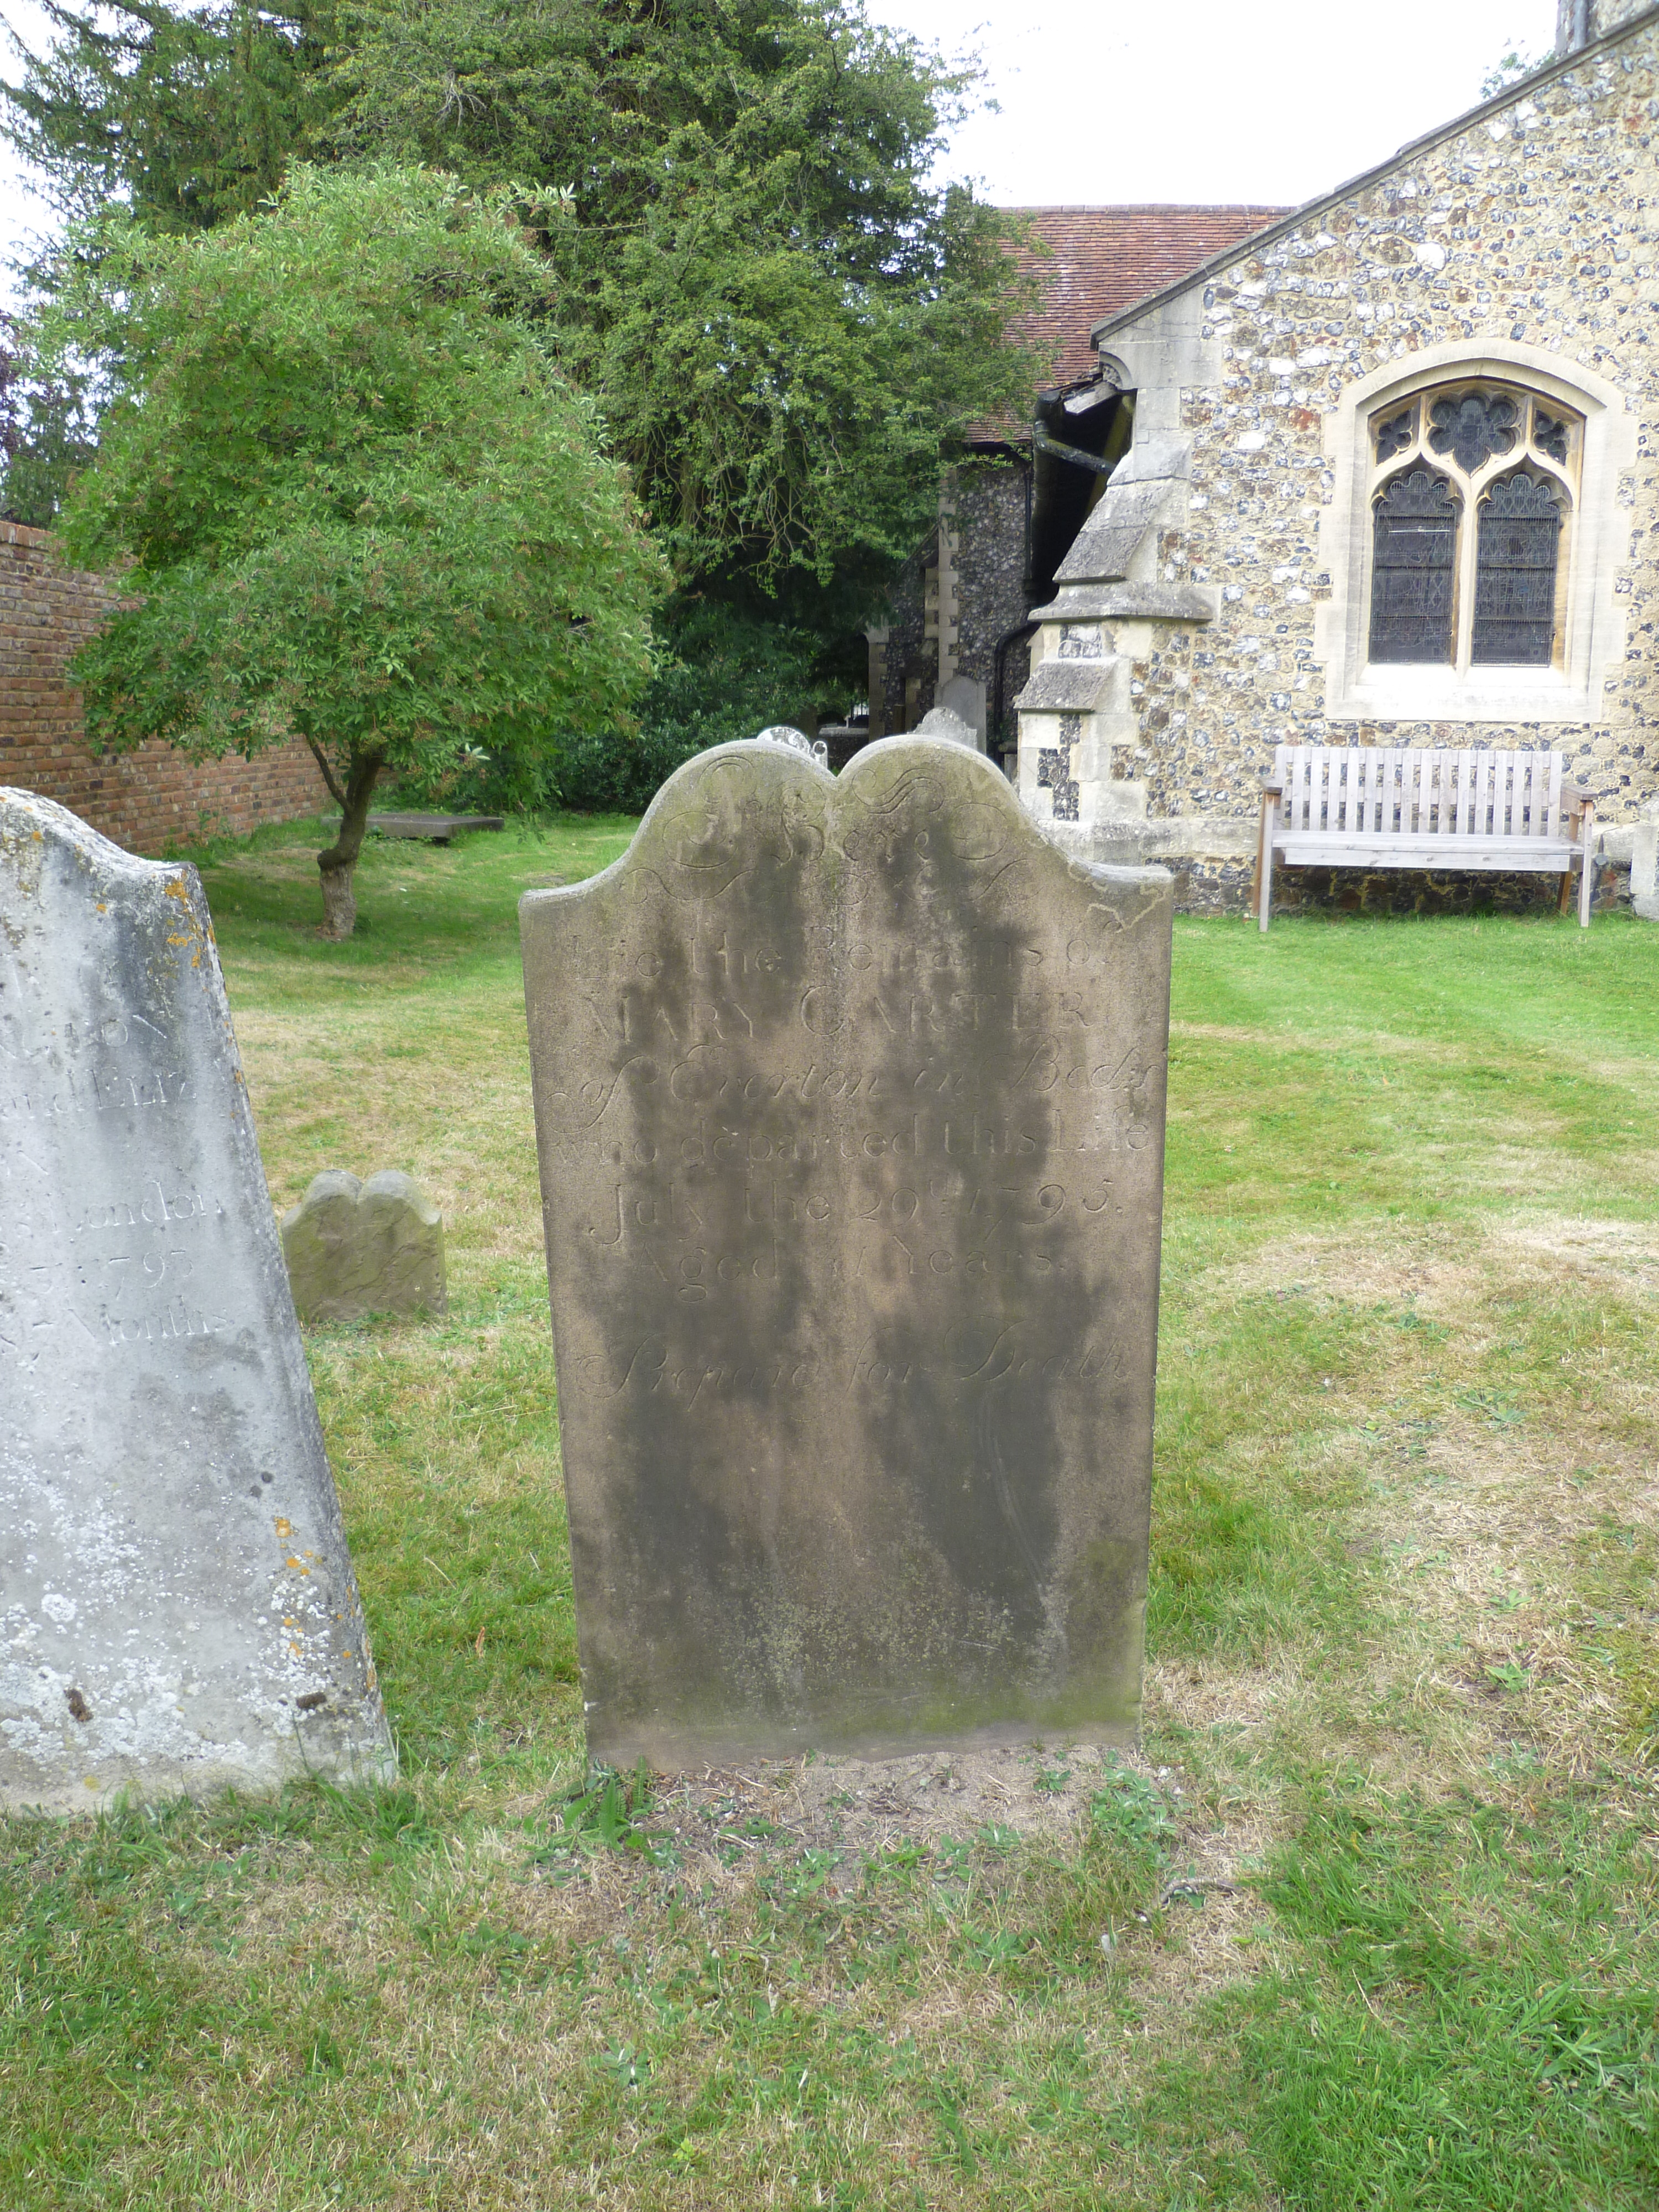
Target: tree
x=189 y=115
x=782 y=317
x=1511 y=68
x=45 y=428
x=362 y=506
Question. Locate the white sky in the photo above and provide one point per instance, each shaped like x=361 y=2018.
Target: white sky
x=1265 y=101
x=1269 y=101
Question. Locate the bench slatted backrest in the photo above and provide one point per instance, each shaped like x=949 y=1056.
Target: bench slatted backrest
x=1418 y=791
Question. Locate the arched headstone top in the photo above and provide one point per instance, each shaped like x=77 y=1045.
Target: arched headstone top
x=849 y=1098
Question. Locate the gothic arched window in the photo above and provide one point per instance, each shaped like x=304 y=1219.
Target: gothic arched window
x=1472 y=498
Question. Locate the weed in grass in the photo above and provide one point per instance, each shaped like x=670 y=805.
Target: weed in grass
x=607 y=1815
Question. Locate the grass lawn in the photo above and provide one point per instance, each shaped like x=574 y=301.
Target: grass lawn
x=1370 y=1922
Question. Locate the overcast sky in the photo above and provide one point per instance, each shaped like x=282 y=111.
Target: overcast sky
x=1268 y=101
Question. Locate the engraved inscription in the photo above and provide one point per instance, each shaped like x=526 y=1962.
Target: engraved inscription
x=63 y=1094
x=121 y=1271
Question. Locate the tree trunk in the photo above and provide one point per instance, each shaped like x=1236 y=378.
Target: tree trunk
x=337 y=861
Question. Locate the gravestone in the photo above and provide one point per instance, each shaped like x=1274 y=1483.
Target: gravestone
x=178 y=1609
x=849 y=1100
x=357 y=1248
x=783 y=733
x=964 y=698
x=943 y=722
x=1644 y=864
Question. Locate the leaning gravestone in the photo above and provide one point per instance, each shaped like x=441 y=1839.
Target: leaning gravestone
x=849 y=1096
x=359 y=1248
x=176 y=1605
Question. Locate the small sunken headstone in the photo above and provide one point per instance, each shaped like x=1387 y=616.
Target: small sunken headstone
x=178 y=1609
x=358 y=1248
x=783 y=733
x=849 y=1096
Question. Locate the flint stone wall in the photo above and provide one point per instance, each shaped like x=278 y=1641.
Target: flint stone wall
x=178 y=1609
x=1524 y=245
x=849 y=1100
x=990 y=595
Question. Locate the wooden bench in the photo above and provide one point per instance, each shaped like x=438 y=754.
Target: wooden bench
x=1404 y=806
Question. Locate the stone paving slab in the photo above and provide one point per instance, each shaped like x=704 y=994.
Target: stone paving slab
x=433 y=829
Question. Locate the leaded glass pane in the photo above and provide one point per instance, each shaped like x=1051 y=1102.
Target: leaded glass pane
x=1473 y=427
x=1516 y=554
x=1549 y=434
x=1395 y=434
x=1415 y=553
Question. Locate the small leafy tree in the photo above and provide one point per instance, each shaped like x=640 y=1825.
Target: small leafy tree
x=754 y=270
x=361 y=505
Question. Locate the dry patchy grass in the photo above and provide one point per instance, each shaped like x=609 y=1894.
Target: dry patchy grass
x=1401 y=1666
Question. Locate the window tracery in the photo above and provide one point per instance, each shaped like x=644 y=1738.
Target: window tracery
x=1515 y=571
x=1395 y=435
x=1472 y=494
x=1473 y=427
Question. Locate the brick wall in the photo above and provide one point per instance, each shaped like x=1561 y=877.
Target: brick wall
x=143 y=800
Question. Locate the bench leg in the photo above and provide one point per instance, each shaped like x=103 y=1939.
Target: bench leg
x=1565 y=899
x=1586 y=861
x=1264 y=865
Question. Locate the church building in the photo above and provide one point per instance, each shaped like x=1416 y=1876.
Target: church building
x=957 y=628
x=1388 y=475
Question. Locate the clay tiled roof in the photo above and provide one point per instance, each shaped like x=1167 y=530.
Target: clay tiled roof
x=1102 y=260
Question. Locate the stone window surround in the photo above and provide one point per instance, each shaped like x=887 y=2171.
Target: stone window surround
x=1356 y=690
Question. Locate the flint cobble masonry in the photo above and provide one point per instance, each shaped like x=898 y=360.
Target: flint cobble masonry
x=1531 y=227
x=991 y=594
x=1520 y=244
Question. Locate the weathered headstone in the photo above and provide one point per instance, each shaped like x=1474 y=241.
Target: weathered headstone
x=784 y=734
x=1644 y=864
x=357 y=1248
x=943 y=722
x=849 y=1098
x=178 y=1609
x=964 y=698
